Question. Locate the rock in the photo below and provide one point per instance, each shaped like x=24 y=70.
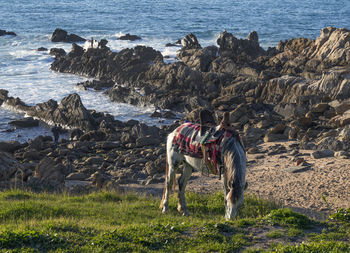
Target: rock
x=48 y=170
x=57 y=52
x=320 y=108
x=10 y=146
x=239 y=50
x=322 y=154
x=42 y=49
x=3 y=32
x=70 y=112
x=96 y=84
x=341 y=154
x=25 y=122
x=31 y=155
x=8 y=166
x=142 y=130
x=60 y=35
x=198 y=59
x=96 y=160
x=298 y=169
x=129 y=36
x=77 y=176
x=190 y=42
x=340 y=106
x=147 y=141
x=341 y=120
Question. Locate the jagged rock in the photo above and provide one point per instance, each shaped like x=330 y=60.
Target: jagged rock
x=60 y=35
x=341 y=120
x=123 y=67
x=70 y=112
x=332 y=46
x=25 y=122
x=340 y=106
x=130 y=37
x=239 y=50
x=190 y=42
x=198 y=59
x=334 y=82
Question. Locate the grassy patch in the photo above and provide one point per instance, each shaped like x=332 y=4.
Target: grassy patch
x=112 y=222
x=288 y=218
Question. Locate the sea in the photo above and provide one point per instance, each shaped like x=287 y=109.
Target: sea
x=25 y=72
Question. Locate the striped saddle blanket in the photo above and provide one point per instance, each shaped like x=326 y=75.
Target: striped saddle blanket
x=188 y=141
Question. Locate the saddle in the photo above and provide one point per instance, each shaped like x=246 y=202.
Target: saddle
x=204 y=140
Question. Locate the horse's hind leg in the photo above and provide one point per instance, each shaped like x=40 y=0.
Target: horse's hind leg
x=169 y=180
x=187 y=172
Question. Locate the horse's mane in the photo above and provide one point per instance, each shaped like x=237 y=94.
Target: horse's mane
x=232 y=165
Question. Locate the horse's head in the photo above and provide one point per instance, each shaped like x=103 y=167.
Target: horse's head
x=234 y=161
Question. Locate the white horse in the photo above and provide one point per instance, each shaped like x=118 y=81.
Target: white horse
x=233 y=167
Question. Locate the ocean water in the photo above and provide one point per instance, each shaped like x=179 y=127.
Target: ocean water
x=25 y=72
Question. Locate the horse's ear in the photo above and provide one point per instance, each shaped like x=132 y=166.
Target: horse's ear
x=226 y=120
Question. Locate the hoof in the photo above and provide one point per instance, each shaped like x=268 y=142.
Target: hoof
x=165 y=210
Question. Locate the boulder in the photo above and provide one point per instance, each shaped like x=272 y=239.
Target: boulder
x=8 y=166
x=48 y=170
x=10 y=146
x=60 y=35
x=322 y=154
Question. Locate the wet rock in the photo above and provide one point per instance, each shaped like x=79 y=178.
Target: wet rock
x=42 y=49
x=57 y=52
x=190 y=42
x=96 y=84
x=25 y=122
x=322 y=154
x=60 y=35
x=130 y=37
x=3 y=33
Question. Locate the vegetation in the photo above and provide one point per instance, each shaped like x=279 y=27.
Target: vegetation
x=113 y=222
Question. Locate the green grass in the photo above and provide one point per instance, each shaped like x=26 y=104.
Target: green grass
x=112 y=222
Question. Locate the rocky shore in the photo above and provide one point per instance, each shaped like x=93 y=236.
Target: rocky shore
x=297 y=91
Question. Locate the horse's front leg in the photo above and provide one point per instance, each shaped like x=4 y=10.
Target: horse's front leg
x=187 y=172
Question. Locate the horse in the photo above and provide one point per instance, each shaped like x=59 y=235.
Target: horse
x=231 y=161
